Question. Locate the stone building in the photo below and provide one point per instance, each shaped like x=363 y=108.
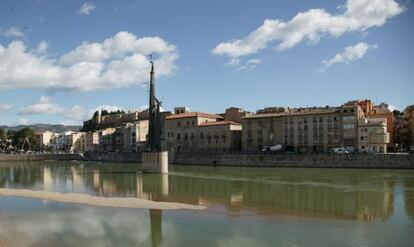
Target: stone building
x=134 y=136
x=409 y=127
x=201 y=132
x=91 y=141
x=380 y=111
x=316 y=129
x=372 y=135
x=105 y=140
x=113 y=119
x=235 y=114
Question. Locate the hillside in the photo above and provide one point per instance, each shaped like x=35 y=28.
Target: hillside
x=51 y=127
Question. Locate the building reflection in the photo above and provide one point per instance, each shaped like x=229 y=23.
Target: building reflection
x=409 y=197
x=345 y=197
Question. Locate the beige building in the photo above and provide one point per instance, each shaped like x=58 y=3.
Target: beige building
x=201 y=132
x=105 y=140
x=372 y=135
x=316 y=129
x=75 y=143
x=134 y=136
x=91 y=141
x=44 y=137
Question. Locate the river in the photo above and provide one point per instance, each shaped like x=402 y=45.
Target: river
x=242 y=206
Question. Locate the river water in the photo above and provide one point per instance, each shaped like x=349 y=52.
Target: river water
x=245 y=206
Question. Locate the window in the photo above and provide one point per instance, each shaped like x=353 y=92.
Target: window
x=188 y=123
x=193 y=123
x=362 y=138
x=178 y=124
x=178 y=136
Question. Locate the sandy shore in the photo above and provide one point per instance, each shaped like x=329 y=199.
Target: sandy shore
x=96 y=201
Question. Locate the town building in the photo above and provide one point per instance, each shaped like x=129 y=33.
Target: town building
x=201 y=132
x=134 y=136
x=409 y=127
x=372 y=135
x=44 y=137
x=380 y=111
x=75 y=143
x=315 y=129
x=91 y=141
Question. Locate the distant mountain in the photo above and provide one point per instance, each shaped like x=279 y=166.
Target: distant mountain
x=51 y=127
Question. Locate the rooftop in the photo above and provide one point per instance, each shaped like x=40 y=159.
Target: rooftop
x=194 y=114
x=304 y=111
x=218 y=123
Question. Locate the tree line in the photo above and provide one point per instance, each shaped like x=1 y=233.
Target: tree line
x=18 y=140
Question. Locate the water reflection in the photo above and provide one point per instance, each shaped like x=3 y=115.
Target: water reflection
x=313 y=193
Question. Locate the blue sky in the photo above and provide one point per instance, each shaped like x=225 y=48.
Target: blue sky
x=210 y=55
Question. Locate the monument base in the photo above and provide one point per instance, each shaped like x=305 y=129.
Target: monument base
x=155 y=162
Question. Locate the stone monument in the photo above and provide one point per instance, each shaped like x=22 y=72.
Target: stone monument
x=154 y=160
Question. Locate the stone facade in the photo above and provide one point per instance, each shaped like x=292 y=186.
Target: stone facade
x=303 y=129
x=372 y=135
x=134 y=136
x=196 y=131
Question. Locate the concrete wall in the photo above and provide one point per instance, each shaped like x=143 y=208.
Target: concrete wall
x=114 y=157
x=299 y=160
x=39 y=157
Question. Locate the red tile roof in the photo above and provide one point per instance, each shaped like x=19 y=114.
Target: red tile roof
x=218 y=123
x=194 y=114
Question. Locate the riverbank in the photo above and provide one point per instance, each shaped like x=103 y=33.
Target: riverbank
x=374 y=161
x=380 y=161
x=41 y=157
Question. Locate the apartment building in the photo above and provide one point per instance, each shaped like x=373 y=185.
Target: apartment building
x=316 y=129
x=134 y=136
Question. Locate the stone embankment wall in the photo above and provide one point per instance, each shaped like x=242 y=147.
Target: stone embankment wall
x=40 y=157
x=114 y=157
x=389 y=161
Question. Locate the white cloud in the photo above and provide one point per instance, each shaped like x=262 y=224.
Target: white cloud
x=86 y=8
x=250 y=64
x=13 y=32
x=5 y=107
x=312 y=25
x=44 y=106
x=119 y=61
x=42 y=47
x=351 y=53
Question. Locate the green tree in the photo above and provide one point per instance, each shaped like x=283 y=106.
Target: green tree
x=24 y=139
x=3 y=134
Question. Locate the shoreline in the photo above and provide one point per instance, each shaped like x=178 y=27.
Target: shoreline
x=357 y=161
x=85 y=199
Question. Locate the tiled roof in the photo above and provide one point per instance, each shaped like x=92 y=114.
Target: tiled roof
x=313 y=112
x=218 y=123
x=194 y=114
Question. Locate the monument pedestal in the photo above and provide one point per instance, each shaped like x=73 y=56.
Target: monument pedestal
x=155 y=162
